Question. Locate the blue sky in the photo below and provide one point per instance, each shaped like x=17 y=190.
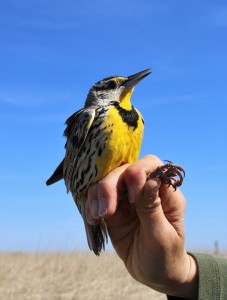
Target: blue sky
x=51 y=52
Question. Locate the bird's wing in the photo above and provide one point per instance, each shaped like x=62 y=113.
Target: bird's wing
x=77 y=129
x=57 y=175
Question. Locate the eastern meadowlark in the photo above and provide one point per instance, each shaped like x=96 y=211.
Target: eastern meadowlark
x=103 y=135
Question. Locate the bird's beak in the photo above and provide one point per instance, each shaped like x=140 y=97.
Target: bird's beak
x=132 y=80
x=129 y=84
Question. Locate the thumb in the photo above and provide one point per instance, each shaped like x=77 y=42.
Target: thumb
x=149 y=199
x=148 y=205
x=153 y=223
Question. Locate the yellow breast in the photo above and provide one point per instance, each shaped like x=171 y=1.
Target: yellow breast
x=123 y=142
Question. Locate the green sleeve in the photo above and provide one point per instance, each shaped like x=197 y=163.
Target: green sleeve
x=212 y=278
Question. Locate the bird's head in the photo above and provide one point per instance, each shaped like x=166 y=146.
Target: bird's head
x=114 y=88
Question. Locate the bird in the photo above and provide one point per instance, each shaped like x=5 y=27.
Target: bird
x=105 y=134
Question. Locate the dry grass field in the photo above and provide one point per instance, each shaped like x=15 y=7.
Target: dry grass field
x=79 y=276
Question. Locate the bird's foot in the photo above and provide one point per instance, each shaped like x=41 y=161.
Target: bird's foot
x=168 y=173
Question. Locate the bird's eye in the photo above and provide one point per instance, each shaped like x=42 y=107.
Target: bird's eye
x=112 y=84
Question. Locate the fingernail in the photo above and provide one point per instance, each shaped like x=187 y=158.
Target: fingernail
x=95 y=209
x=90 y=219
x=102 y=207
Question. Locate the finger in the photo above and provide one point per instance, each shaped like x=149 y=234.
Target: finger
x=156 y=230
x=91 y=205
x=149 y=206
x=135 y=176
x=90 y=219
x=103 y=196
x=173 y=202
x=109 y=190
x=150 y=196
x=173 y=205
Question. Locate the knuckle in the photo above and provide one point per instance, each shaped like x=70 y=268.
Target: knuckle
x=104 y=188
x=103 y=185
x=154 y=159
x=134 y=175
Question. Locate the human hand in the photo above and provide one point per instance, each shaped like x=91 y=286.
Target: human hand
x=145 y=222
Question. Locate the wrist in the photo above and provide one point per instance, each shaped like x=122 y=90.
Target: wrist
x=192 y=280
x=186 y=286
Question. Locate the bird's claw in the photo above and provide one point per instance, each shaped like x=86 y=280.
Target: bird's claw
x=168 y=173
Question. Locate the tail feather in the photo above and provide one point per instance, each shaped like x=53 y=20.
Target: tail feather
x=96 y=236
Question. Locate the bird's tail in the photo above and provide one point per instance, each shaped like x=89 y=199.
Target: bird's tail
x=96 y=236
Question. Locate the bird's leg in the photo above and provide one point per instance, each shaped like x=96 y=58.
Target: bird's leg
x=168 y=173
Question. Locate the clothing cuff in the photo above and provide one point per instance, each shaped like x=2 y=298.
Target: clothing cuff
x=209 y=277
